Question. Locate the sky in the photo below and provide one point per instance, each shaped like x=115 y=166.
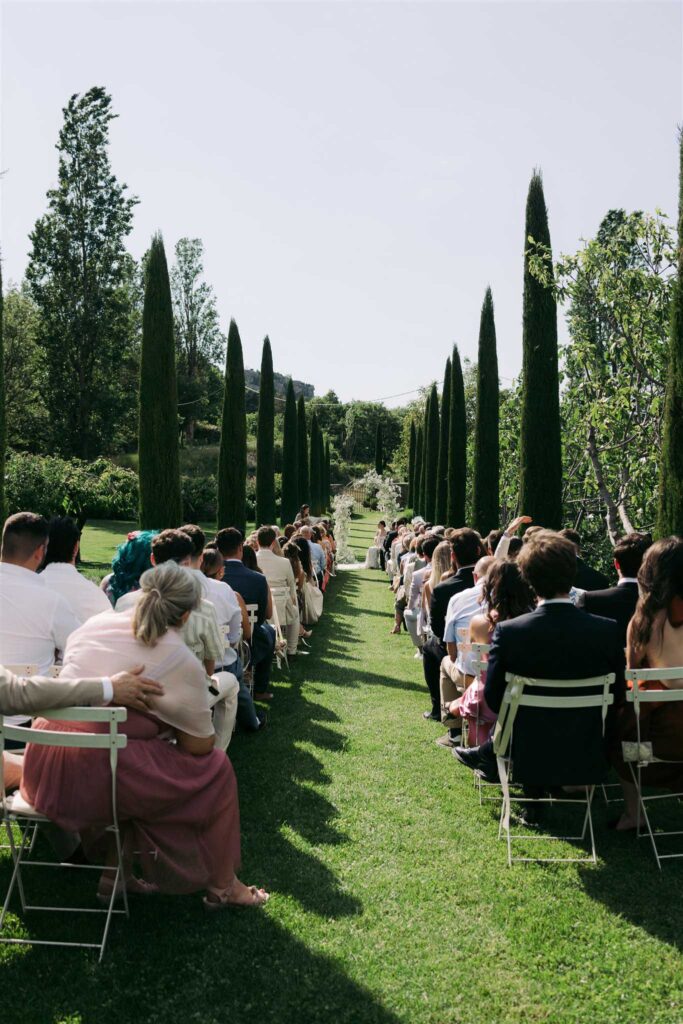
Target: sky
x=357 y=171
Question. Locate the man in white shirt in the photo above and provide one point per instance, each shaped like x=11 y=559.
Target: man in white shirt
x=456 y=666
x=227 y=604
x=317 y=554
x=60 y=574
x=280 y=575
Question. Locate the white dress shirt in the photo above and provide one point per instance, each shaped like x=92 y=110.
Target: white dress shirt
x=461 y=610
x=225 y=603
x=84 y=597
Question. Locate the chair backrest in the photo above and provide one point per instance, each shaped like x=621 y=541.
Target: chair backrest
x=252 y=614
x=410 y=617
x=636 y=696
x=479 y=656
x=26 y=670
x=520 y=693
x=281 y=598
x=112 y=740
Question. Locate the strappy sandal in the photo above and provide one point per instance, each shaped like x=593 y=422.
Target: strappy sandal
x=134 y=887
x=221 y=900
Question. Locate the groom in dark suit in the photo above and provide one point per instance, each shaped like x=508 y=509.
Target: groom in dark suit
x=619 y=603
x=556 y=641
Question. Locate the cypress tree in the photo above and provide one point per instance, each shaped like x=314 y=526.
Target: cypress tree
x=314 y=466
x=417 y=471
x=290 y=454
x=441 y=511
x=457 y=446
x=232 y=456
x=158 y=460
x=423 y=464
x=265 y=441
x=3 y=425
x=670 y=511
x=540 y=443
x=411 y=465
x=485 y=496
x=432 y=446
x=379 y=450
x=328 y=476
x=322 y=495
x=302 y=445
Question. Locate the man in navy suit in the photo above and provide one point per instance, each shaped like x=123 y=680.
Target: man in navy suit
x=556 y=641
x=619 y=603
x=253 y=587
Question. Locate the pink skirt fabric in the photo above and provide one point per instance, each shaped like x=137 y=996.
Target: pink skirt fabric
x=179 y=813
x=480 y=718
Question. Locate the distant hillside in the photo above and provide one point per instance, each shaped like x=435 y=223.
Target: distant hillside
x=253 y=380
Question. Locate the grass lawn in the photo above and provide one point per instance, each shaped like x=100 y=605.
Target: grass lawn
x=392 y=900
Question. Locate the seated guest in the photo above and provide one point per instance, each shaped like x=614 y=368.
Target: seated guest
x=441 y=563
x=177 y=804
x=249 y=558
x=619 y=603
x=587 y=578
x=278 y=572
x=456 y=667
x=60 y=574
x=492 y=541
x=304 y=516
x=514 y=547
x=132 y=558
x=289 y=531
x=556 y=641
x=502 y=548
x=420 y=575
x=317 y=554
x=378 y=546
x=466 y=550
x=253 y=586
x=35 y=621
x=505 y=594
x=223 y=598
x=248 y=718
x=655 y=640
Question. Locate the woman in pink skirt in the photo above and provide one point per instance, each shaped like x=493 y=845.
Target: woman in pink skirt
x=176 y=795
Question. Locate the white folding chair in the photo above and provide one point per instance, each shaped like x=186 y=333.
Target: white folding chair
x=15 y=810
x=519 y=693
x=410 y=617
x=281 y=597
x=640 y=754
x=489 y=791
x=252 y=615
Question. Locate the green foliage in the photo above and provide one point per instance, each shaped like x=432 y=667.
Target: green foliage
x=290 y=464
x=327 y=503
x=265 y=454
x=379 y=450
x=302 y=444
x=457 y=446
x=432 y=455
x=441 y=509
x=540 y=444
x=419 y=468
x=360 y=425
x=83 y=283
x=200 y=343
x=485 y=492
x=314 y=468
x=331 y=413
x=232 y=459
x=411 y=462
x=51 y=486
x=26 y=415
x=159 y=468
x=670 y=491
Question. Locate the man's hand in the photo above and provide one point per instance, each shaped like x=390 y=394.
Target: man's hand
x=516 y=523
x=133 y=690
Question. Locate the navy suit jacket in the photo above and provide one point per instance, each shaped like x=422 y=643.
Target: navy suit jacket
x=441 y=595
x=252 y=586
x=556 y=641
x=618 y=603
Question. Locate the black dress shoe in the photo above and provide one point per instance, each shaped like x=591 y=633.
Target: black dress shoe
x=482 y=763
x=469 y=756
x=430 y=715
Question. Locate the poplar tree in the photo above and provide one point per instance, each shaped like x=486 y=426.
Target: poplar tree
x=232 y=455
x=540 y=442
x=379 y=451
x=302 y=444
x=670 y=511
x=158 y=458
x=314 y=466
x=290 y=457
x=265 y=441
x=441 y=510
x=3 y=425
x=432 y=462
x=485 y=496
x=411 y=465
x=417 y=470
x=457 y=446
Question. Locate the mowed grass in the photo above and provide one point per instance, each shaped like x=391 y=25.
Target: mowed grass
x=391 y=901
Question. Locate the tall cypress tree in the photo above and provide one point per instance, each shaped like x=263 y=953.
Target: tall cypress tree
x=232 y=456
x=457 y=446
x=441 y=511
x=670 y=511
x=265 y=441
x=432 y=456
x=540 y=444
x=423 y=465
x=485 y=495
x=158 y=459
x=3 y=424
x=302 y=444
x=328 y=476
x=321 y=463
x=379 y=450
x=290 y=456
x=417 y=473
x=411 y=465
x=314 y=466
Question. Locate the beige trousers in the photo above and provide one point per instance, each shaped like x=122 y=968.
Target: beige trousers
x=224 y=706
x=452 y=683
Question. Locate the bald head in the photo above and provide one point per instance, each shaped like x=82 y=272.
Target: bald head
x=483 y=566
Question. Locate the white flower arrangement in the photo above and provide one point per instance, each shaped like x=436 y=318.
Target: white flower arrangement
x=385 y=490
x=342 y=507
